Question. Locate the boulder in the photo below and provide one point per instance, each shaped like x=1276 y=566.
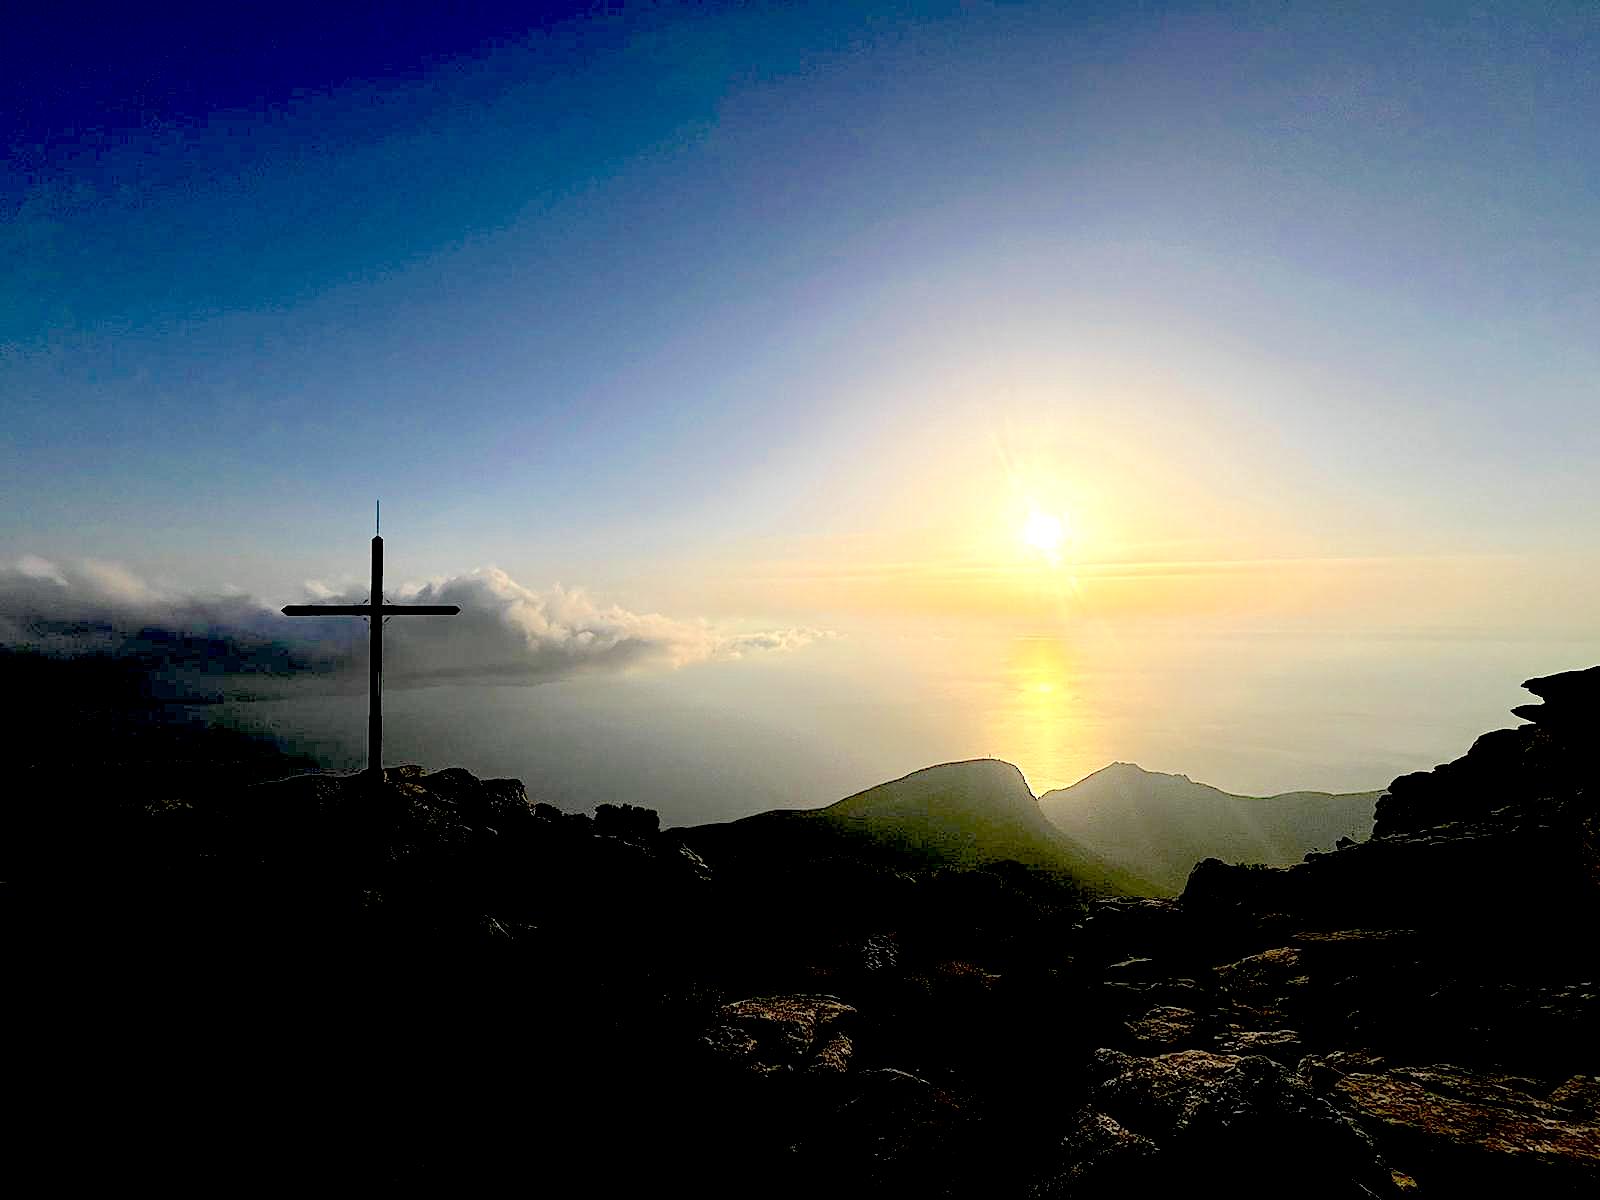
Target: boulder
x=1283 y=1045
x=1581 y=1094
x=627 y=822
x=1461 y=1132
x=772 y=1035
x=1263 y=977
x=1099 y=1158
x=1246 y=1123
x=1571 y=701
x=879 y=952
x=1137 y=1009
x=1165 y=1027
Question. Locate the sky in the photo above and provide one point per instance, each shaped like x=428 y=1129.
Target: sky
x=826 y=346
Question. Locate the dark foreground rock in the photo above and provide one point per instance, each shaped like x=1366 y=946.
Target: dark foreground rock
x=894 y=1133
x=434 y=982
x=423 y=983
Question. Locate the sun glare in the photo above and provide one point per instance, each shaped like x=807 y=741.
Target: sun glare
x=1046 y=535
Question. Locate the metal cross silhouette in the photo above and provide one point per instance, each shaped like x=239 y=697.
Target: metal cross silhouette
x=376 y=612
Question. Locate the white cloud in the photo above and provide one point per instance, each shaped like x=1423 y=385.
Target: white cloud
x=34 y=567
x=116 y=583
x=505 y=632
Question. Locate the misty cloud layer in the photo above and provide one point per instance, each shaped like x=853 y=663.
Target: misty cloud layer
x=235 y=645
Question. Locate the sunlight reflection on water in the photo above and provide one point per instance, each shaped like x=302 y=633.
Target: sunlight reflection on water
x=1036 y=717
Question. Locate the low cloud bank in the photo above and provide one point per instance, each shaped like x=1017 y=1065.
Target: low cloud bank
x=506 y=630
x=235 y=646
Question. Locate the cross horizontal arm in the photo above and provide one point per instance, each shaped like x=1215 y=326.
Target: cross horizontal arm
x=365 y=610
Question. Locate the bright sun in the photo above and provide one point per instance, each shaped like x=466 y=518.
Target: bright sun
x=1046 y=535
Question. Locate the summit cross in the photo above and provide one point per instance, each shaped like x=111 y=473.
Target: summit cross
x=376 y=612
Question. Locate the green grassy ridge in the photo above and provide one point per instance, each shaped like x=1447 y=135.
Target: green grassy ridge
x=963 y=815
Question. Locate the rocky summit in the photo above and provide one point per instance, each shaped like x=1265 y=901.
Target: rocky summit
x=434 y=981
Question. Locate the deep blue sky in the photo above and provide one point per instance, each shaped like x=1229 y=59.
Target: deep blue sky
x=603 y=295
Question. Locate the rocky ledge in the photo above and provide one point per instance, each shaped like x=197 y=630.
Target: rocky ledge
x=1503 y=842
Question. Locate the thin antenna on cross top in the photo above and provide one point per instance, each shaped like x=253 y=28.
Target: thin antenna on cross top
x=377 y=522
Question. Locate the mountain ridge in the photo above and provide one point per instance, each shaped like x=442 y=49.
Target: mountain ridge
x=1121 y=767
x=1158 y=825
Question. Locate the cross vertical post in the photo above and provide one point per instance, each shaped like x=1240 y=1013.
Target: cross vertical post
x=375 y=610
x=375 y=667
